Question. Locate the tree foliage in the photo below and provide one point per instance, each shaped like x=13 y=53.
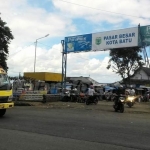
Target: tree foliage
x=125 y=61
x=5 y=38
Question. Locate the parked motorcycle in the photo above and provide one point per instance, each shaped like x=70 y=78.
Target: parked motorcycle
x=66 y=96
x=119 y=104
x=92 y=99
x=130 y=100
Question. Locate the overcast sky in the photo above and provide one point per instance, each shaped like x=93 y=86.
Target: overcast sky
x=33 y=19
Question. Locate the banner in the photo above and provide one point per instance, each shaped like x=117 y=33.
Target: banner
x=115 y=39
x=103 y=40
x=145 y=35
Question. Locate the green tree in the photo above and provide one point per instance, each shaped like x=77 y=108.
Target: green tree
x=125 y=61
x=5 y=38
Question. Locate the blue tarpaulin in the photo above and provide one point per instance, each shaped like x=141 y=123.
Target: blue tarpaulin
x=107 y=88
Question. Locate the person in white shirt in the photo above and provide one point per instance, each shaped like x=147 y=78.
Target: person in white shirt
x=91 y=91
x=132 y=92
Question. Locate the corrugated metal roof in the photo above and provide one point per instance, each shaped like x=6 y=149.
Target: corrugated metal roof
x=86 y=80
x=146 y=70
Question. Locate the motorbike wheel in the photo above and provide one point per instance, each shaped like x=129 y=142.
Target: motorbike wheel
x=122 y=108
x=115 y=108
x=2 y=112
x=96 y=101
x=130 y=105
x=87 y=103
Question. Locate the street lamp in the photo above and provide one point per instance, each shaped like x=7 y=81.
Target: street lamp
x=35 y=48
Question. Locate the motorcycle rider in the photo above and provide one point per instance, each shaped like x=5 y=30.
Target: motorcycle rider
x=90 y=91
x=132 y=92
x=118 y=92
x=91 y=98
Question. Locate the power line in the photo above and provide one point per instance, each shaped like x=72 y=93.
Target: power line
x=14 y=53
x=30 y=45
x=15 y=72
x=43 y=44
x=60 y=50
x=48 y=45
x=19 y=51
x=103 y=10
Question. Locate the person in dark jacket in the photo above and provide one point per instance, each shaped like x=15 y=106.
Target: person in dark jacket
x=118 y=92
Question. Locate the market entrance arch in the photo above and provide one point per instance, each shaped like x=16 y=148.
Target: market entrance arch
x=130 y=37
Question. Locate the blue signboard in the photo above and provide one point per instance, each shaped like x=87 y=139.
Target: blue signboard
x=78 y=43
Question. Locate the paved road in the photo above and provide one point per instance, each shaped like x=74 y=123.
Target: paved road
x=46 y=128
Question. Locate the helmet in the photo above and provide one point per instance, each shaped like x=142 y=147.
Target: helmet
x=91 y=86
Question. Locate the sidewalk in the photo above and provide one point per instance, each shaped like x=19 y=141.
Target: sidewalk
x=143 y=107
